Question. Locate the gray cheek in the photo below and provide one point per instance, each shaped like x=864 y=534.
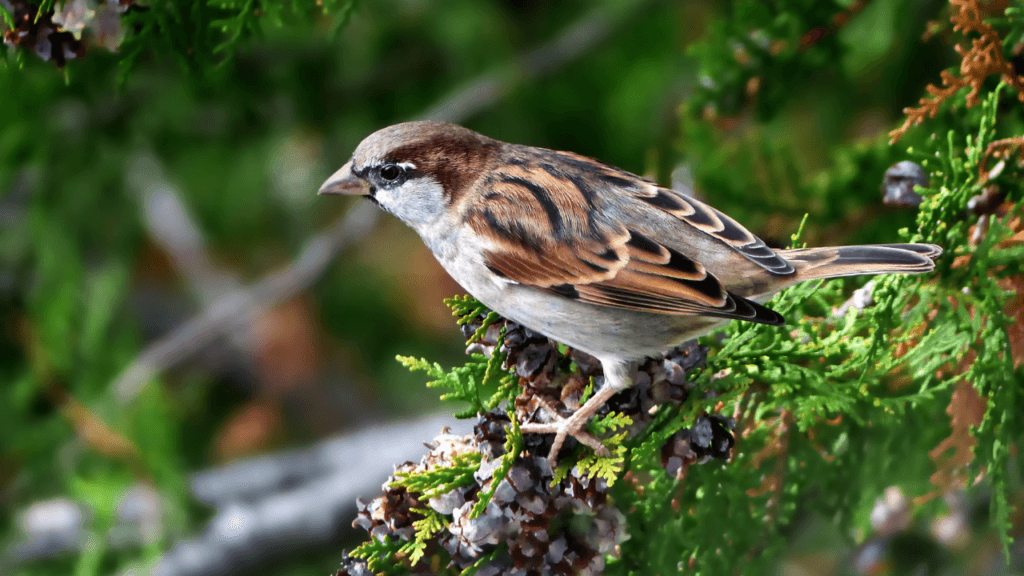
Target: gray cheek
x=418 y=203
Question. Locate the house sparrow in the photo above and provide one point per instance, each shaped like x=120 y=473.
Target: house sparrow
x=597 y=258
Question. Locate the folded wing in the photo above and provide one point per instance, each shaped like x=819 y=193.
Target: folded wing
x=539 y=216
x=615 y=267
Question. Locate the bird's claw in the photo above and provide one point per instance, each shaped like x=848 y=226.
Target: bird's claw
x=562 y=428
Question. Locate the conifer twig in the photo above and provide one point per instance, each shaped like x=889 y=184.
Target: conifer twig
x=999 y=149
x=983 y=59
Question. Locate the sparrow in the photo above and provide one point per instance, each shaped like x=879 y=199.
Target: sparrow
x=597 y=258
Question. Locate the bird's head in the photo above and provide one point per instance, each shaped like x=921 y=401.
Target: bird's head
x=415 y=170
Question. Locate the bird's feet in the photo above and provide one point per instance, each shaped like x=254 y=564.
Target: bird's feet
x=618 y=377
x=562 y=428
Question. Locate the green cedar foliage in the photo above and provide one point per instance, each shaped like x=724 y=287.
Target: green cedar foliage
x=201 y=37
x=831 y=411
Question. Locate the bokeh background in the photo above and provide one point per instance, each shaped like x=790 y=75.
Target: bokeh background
x=180 y=311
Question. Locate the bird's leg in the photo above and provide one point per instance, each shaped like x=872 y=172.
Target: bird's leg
x=617 y=377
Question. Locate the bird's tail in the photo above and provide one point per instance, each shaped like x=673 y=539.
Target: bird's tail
x=835 y=261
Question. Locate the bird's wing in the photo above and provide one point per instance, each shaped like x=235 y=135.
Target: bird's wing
x=689 y=210
x=717 y=225
x=545 y=231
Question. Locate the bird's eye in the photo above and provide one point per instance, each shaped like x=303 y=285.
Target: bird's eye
x=390 y=172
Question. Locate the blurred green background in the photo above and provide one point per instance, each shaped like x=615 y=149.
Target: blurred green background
x=242 y=137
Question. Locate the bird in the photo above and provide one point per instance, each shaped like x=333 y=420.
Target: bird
x=590 y=255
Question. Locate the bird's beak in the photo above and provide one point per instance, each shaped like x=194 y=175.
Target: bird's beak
x=345 y=182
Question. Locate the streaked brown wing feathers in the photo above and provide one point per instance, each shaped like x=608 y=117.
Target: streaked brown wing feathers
x=540 y=217
x=716 y=224
x=631 y=281
x=555 y=264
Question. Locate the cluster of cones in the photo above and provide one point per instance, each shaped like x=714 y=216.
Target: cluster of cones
x=532 y=525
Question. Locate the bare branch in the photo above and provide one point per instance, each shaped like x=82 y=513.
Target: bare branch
x=571 y=44
x=267 y=507
x=235 y=310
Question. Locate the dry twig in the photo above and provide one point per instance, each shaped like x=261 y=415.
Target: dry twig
x=573 y=42
x=984 y=59
x=241 y=305
x=999 y=149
